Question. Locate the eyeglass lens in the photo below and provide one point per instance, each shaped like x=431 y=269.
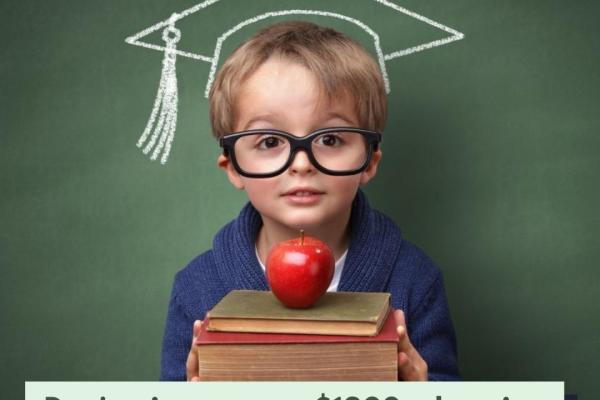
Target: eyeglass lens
x=263 y=153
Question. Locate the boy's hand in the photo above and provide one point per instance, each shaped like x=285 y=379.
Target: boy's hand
x=191 y=365
x=411 y=366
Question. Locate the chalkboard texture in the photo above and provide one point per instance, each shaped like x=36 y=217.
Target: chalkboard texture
x=491 y=164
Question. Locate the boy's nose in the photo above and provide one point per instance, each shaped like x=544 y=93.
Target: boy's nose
x=301 y=164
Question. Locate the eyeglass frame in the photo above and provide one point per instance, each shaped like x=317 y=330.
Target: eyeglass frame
x=227 y=142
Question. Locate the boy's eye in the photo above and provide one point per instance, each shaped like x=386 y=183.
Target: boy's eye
x=269 y=142
x=329 y=139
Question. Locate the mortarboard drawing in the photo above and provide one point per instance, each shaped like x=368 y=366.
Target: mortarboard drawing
x=159 y=133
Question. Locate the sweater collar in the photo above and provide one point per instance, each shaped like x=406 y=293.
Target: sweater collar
x=374 y=245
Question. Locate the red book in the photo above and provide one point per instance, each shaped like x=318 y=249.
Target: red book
x=226 y=356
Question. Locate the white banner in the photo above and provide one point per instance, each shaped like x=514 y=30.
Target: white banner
x=294 y=390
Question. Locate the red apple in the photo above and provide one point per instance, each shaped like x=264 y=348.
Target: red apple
x=300 y=270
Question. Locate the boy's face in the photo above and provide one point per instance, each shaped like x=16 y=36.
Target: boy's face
x=284 y=95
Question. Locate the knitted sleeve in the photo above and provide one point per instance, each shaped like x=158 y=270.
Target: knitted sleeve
x=176 y=341
x=196 y=289
x=432 y=333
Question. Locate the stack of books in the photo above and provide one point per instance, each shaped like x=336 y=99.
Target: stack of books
x=251 y=336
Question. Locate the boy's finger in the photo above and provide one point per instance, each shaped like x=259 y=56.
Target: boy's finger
x=406 y=368
x=411 y=366
x=399 y=316
x=404 y=343
x=197 y=326
x=191 y=364
x=402 y=359
x=401 y=329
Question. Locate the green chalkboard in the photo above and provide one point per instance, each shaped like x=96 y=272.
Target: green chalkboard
x=491 y=164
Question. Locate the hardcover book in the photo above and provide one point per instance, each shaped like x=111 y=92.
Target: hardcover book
x=227 y=356
x=336 y=313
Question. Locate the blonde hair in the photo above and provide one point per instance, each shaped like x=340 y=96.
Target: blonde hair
x=340 y=65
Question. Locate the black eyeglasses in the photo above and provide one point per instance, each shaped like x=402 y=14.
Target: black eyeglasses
x=264 y=153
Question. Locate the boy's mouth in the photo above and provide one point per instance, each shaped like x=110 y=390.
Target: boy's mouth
x=303 y=196
x=303 y=192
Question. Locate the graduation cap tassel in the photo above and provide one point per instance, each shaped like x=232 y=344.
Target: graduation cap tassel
x=165 y=104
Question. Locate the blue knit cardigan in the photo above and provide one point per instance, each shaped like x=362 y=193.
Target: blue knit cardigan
x=378 y=260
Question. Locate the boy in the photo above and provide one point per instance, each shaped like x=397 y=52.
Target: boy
x=270 y=104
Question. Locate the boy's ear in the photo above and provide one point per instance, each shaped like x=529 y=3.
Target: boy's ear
x=371 y=170
x=225 y=164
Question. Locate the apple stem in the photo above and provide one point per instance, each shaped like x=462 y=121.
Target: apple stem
x=302 y=237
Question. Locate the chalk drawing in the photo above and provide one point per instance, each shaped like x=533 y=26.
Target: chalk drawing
x=165 y=102
x=165 y=105
x=223 y=37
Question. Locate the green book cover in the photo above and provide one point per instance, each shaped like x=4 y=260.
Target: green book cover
x=332 y=306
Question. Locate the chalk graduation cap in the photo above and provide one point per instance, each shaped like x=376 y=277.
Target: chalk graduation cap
x=157 y=137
